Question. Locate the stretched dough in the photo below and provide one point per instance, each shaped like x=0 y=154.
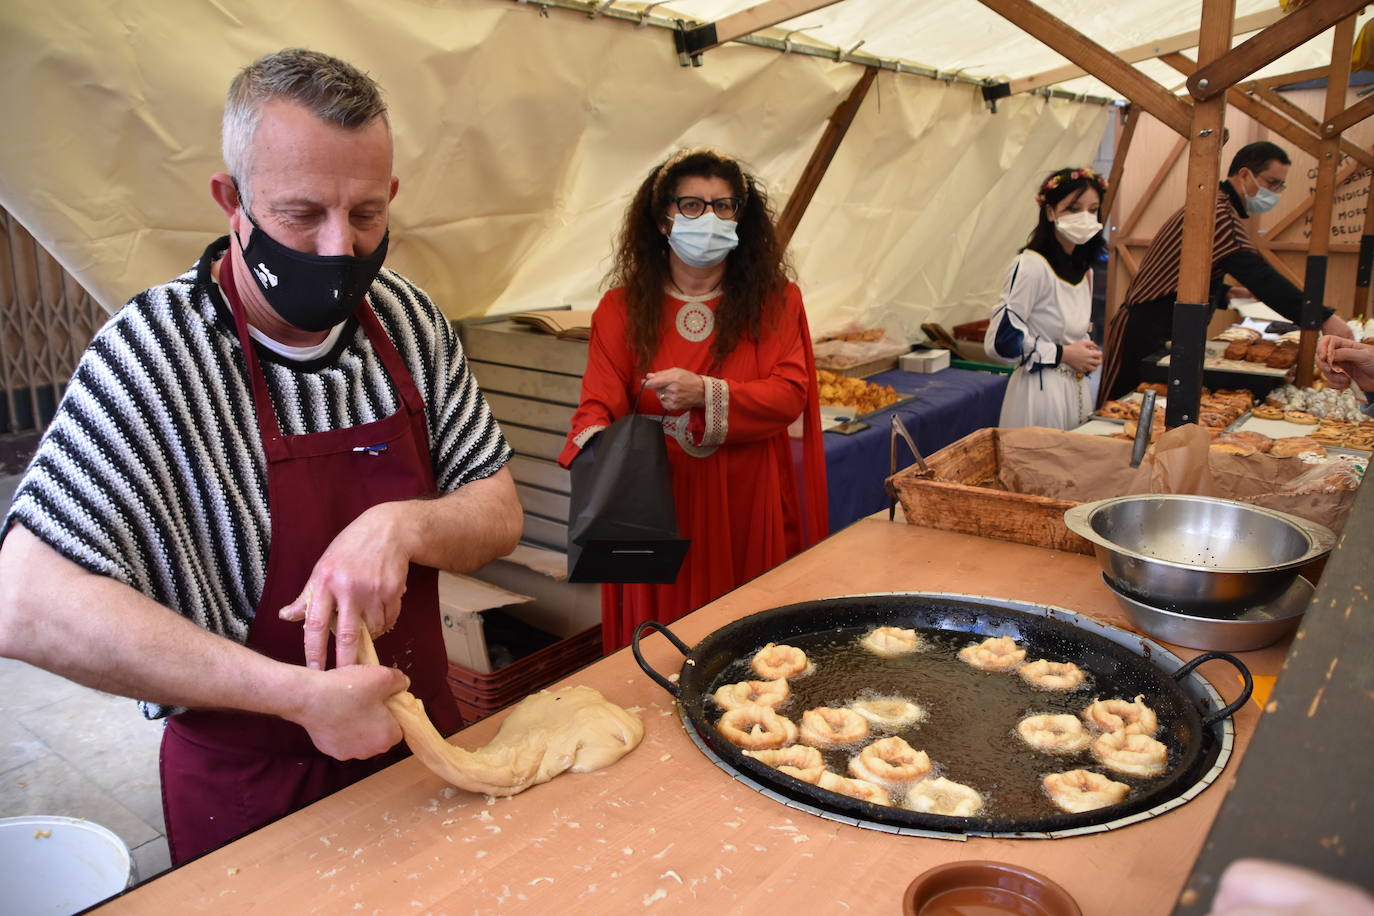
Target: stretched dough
x=575 y=729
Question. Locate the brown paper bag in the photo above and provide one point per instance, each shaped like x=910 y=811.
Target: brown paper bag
x=1178 y=463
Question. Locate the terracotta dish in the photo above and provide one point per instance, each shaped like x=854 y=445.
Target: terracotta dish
x=986 y=889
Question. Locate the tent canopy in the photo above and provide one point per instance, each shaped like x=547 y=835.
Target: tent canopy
x=522 y=129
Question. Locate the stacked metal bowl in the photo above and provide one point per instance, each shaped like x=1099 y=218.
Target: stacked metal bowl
x=1202 y=572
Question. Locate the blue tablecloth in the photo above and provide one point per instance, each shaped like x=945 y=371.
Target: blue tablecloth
x=949 y=405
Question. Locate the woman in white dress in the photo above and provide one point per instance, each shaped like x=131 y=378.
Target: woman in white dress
x=1041 y=323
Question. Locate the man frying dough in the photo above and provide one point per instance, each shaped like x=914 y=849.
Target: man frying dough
x=283 y=441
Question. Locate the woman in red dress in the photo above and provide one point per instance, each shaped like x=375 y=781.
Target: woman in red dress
x=703 y=315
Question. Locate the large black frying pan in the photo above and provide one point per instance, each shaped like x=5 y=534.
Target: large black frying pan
x=1189 y=727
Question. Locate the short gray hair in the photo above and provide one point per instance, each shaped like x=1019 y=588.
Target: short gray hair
x=332 y=89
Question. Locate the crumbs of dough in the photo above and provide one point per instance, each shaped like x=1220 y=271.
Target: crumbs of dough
x=655 y=897
x=671 y=874
x=481 y=854
x=540 y=881
x=665 y=757
x=231 y=871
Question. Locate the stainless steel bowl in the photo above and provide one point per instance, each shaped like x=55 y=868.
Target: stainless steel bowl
x=1254 y=628
x=1189 y=553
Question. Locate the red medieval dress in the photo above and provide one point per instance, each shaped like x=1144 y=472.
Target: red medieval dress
x=742 y=497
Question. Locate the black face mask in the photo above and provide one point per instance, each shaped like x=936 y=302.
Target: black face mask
x=309 y=291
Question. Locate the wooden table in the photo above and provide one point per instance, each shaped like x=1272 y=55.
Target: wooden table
x=664 y=829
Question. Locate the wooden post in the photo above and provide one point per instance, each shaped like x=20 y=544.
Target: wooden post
x=821 y=157
x=1366 y=262
x=1192 y=308
x=1329 y=154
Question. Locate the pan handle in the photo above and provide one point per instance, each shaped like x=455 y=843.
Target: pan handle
x=1245 y=691
x=672 y=638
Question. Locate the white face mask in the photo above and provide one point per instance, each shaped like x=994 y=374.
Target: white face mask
x=704 y=241
x=1263 y=201
x=1078 y=227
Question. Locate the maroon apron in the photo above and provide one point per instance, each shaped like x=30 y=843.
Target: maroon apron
x=225 y=773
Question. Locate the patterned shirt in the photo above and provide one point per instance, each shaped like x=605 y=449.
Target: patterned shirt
x=153 y=473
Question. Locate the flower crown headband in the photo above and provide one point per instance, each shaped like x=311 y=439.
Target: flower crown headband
x=710 y=152
x=1060 y=177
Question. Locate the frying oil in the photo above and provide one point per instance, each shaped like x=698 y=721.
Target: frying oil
x=969 y=726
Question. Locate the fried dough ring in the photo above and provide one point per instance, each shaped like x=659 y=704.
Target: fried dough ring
x=1061 y=734
x=891 y=642
x=861 y=789
x=1134 y=755
x=1044 y=674
x=1134 y=718
x=890 y=763
x=773 y=662
x=756 y=728
x=943 y=796
x=998 y=653
x=828 y=726
x=752 y=693
x=796 y=760
x=889 y=712
x=1083 y=790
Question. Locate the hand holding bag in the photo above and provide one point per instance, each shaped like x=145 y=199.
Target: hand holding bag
x=622 y=524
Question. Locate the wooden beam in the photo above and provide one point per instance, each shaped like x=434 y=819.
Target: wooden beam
x=1287 y=79
x=1123 y=148
x=1128 y=260
x=1299 y=116
x=1162 y=173
x=1180 y=42
x=1363 y=267
x=1299 y=26
x=1192 y=309
x=1329 y=154
x=821 y=156
x=1097 y=60
x=1349 y=117
x=1271 y=119
x=745 y=22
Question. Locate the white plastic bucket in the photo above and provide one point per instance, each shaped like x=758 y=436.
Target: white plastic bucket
x=59 y=865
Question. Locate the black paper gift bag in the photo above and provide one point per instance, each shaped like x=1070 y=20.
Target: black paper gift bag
x=622 y=524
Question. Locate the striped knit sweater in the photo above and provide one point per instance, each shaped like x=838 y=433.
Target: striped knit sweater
x=153 y=472
x=1158 y=275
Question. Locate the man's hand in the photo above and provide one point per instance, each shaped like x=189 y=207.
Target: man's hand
x=1336 y=327
x=677 y=389
x=1346 y=362
x=359 y=579
x=1082 y=355
x=345 y=713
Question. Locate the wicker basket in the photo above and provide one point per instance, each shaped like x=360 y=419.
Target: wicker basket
x=962 y=494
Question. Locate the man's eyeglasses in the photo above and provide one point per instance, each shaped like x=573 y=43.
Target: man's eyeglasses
x=723 y=207
x=1274 y=184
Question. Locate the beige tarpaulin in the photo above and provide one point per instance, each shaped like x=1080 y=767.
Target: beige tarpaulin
x=519 y=141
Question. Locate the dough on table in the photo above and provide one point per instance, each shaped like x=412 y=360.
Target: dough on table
x=546 y=734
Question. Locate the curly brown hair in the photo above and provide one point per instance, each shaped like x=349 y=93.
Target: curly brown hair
x=756 y=272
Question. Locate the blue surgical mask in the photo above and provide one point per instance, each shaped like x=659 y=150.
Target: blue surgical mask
x=704 y=241
x=1263 y=201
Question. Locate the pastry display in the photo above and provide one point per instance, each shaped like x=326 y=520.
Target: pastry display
x=844 y=391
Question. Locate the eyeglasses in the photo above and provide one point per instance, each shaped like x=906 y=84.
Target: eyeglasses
x=723 y=207
x=1274 y=184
